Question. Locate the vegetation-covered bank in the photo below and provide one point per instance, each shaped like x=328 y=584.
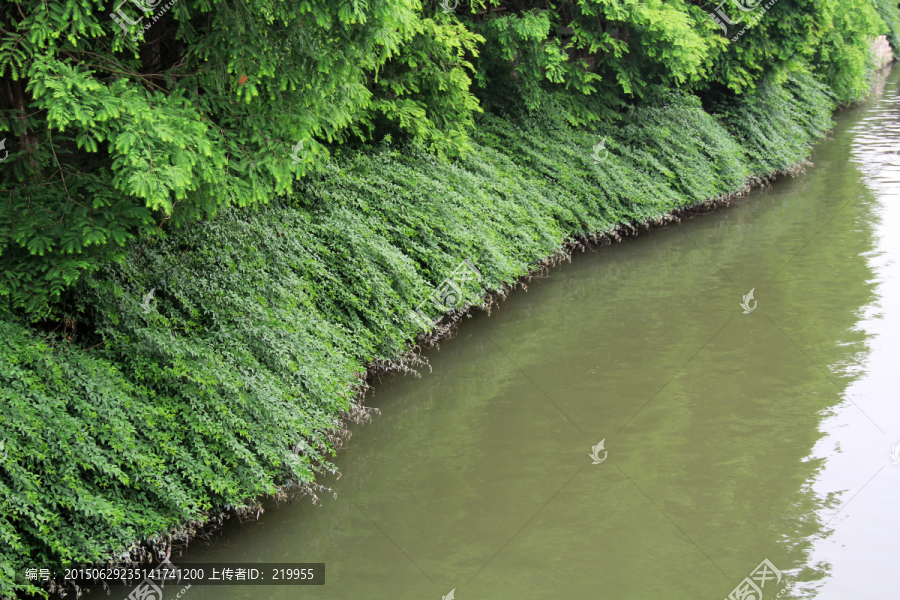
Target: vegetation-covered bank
x=216 y=214
x=141 y=414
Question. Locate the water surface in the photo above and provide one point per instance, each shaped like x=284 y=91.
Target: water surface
x=731 y=437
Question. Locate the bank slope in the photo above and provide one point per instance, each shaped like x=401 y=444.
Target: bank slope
x=156 y=410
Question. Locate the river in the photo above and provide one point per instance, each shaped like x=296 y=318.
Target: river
x=730 y=437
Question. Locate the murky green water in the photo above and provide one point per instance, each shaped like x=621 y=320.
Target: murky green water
x=731 y=437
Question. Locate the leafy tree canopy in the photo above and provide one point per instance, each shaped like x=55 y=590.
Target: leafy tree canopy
x=123 y=118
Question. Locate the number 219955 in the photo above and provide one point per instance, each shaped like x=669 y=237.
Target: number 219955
x=292 y=574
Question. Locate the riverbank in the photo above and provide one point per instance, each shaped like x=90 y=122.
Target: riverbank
x=213 y=366
x=756 y=427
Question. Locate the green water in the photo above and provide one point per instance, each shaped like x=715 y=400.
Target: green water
x=731 y=437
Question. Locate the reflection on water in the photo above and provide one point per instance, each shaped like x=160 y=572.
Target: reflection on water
x=731 y=437
x=856 y=547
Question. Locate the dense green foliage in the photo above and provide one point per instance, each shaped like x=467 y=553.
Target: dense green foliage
x=140 y=419
x=116 y=131
x=157 y=155
x=199 y=112
x=890 y=26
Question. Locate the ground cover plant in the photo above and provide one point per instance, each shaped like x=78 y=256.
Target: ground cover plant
x=146 y=412
x=123 y=119
x=186 y=310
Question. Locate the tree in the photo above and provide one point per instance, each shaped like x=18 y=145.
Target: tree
x=121 y=118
